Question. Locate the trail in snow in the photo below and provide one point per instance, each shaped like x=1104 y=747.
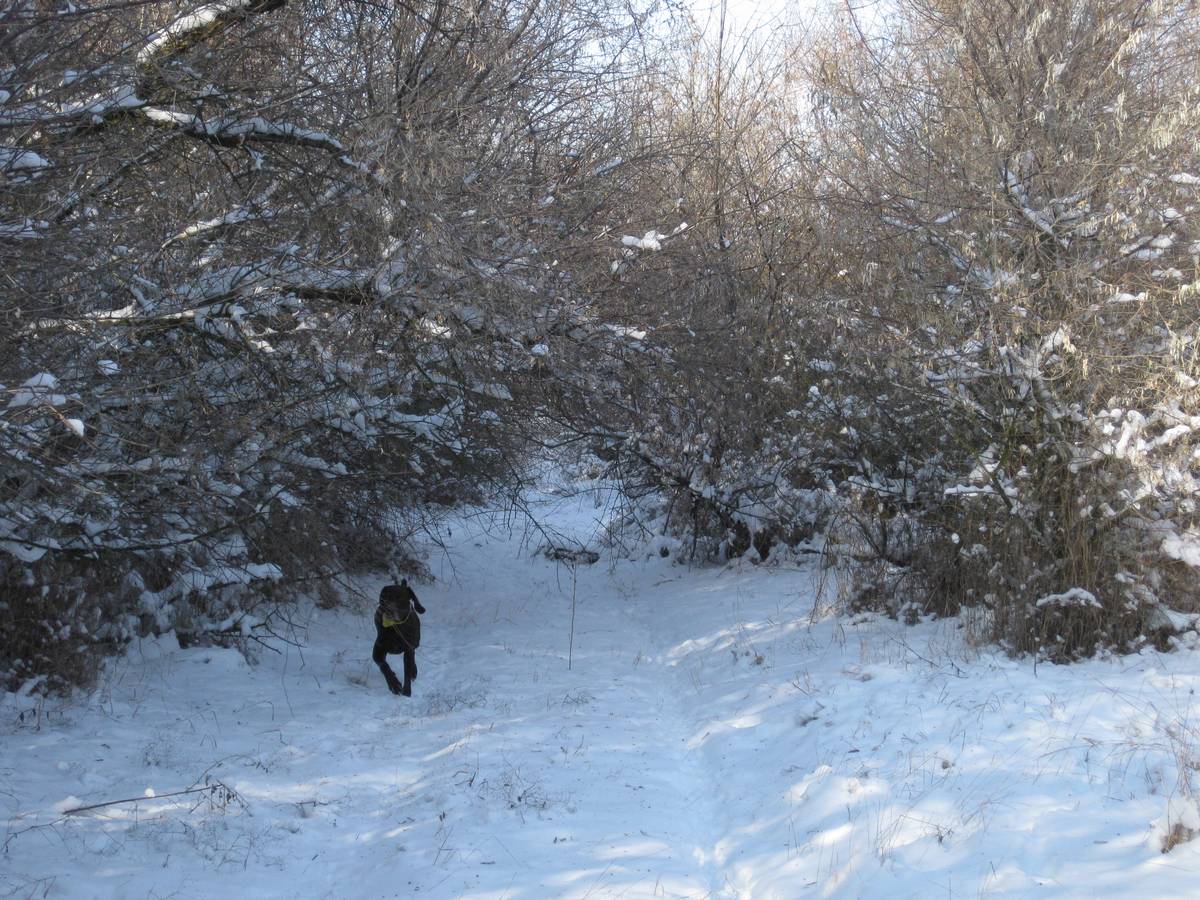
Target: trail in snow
x=714 y=737
x=613 y=747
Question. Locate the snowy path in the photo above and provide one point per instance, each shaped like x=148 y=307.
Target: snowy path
x=711 y=739
x=610 y=744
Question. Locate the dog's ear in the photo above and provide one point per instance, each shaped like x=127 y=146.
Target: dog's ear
x=403 y=582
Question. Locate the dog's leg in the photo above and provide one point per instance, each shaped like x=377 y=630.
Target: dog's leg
x=410 y=671
x=379 y=654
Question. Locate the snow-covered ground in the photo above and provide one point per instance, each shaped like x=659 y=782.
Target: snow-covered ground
x=716 y=735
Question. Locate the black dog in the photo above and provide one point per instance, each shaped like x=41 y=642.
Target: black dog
x=398 y=630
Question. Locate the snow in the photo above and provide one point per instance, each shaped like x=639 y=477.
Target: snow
x=605 y=167
x=1038 y=219
x=627 y=332
x=718 y=734
x=24 y=552
x=22 y=230
x=494 y=390
x=197 y=20
x=37 y=390
x=1071 y=597
x=651 y=240
x=124 y=99
x=19 y=165
x=234 y=128
x=1185 y=548
x=121 y=98
x=219 y=575
x=233 y=217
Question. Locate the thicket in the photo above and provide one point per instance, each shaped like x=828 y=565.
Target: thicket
x=283 y=280
x=939 y=305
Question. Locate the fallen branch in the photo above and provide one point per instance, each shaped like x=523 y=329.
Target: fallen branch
x=220 y=795
x=575 y=555
x=223 y=795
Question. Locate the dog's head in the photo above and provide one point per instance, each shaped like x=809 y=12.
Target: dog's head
x=394 y=600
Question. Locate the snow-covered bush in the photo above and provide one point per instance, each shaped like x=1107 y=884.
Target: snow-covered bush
x=1024 y=193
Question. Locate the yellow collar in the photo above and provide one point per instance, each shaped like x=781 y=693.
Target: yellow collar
x=389 y=623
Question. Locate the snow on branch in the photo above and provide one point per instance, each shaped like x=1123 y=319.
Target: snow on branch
x=1077 y=597
x=653 y=241
x=123 y=101
x=1019 y=197
x=191 y=28
x=233 y=131
x=19 y=165
x=906 y=220
x=72 y=200
x=256 y=210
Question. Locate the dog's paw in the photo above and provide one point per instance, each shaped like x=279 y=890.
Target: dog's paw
x=406 y=691
x=395 y=688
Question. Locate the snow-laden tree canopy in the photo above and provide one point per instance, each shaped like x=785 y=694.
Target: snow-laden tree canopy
x=277 y=278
